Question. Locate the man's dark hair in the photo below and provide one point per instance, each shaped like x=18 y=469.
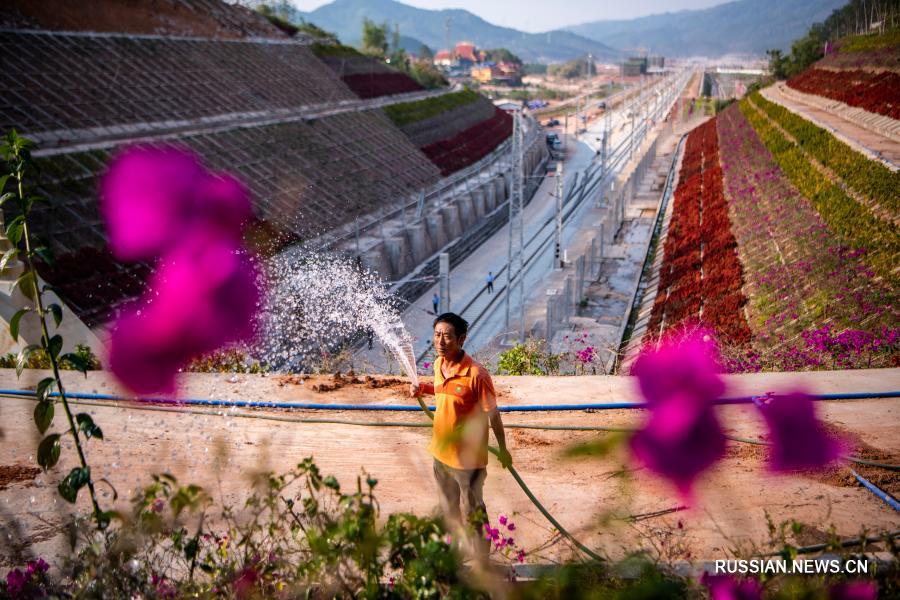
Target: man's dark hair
x=460 y=325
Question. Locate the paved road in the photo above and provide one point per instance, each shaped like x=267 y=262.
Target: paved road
x=864 y=140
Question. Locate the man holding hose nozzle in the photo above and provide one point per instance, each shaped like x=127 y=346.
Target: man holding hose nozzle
x=466 y=404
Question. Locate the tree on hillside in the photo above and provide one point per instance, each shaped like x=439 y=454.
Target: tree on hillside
x=498 y=55
x=427 y=75
x=425 y=53
x=579 y=67
x=374 y=38
x=855 y=18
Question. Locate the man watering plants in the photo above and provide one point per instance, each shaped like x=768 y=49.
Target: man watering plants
x=466 y=405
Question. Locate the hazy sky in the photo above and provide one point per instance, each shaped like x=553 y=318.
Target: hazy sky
x=543 y=15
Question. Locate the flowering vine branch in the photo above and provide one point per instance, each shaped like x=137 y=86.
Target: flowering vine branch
x=17 y=153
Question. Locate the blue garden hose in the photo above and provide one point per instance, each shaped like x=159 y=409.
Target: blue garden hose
x=417 y=407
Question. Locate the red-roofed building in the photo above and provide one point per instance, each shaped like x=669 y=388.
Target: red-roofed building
x=465 y=52
x=443 y=58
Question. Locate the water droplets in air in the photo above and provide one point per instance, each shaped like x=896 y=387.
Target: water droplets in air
x=318 y=304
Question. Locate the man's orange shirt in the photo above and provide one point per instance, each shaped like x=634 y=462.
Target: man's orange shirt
x=464 y=399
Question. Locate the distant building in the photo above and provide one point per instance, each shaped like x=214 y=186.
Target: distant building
x=634 y=66
x=657 y=62
x=443 y=58
x=465 y=52
x=503 y=73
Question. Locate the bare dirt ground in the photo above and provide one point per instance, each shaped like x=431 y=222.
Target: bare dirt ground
x=220 y=449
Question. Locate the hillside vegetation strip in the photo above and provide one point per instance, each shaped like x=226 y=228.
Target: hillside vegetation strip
x=846 y=217
x=411 y=112
x=868 y=177
x=814 y=302
x=701 y=276
x=320 y=50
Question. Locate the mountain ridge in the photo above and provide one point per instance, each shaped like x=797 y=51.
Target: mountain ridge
x=344 y=17
x=739 y=26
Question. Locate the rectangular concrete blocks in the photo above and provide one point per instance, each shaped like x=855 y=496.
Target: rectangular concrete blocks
x=399 y=255
x=376 y=259
x=499 y=190
x=478 y=203
x=467 y=216
x=434 y=224
x=452 y=226
x=419 y=243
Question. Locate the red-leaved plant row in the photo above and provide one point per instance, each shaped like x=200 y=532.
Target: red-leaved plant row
x=874 y=92
x=471 y=144
x=701 y=277
x=374 y=85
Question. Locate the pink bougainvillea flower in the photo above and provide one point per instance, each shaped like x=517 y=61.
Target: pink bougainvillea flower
x=677 y=452
x=152 y=197
x=162 y=203
x=200 y=298
x=688 y=364
x=799 y=439
x=147 y=197
x=725 y=587
x=854 y=590
x=682 y=436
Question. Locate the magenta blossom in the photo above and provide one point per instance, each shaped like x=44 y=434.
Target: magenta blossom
x=152 y=197
x=854 y=590
x=799 y=440
x=725 y=587
x=198 y=300
x=682 y=436
x=162 y=203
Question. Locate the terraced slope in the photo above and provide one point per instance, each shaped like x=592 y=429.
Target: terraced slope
x=453 y=130
x=367 y=77
x=230 y=101
x=863 y=72
x=815 y=235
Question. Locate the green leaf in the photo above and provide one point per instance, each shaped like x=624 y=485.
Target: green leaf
x=191 y=548
x=8 y=256
x=44 y=387
x=25 y=283
x=74 y=481
x=105 y=516
x=45 y=255
x=55 y=345
x=14 y=230
x=86 y=425
x=56 y=311
x=5 y=197
x=23 y=356
x=48 y=451
x=77 y=361
x=3 y=179
x=43 y=415
x=15 y=321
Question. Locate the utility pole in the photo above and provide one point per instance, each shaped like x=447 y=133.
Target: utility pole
x=444 y=282
x=447 y=26
x=559 y=206
x=514 y=264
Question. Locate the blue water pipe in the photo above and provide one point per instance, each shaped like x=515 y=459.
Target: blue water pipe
x=890 y=500
x=416 y=407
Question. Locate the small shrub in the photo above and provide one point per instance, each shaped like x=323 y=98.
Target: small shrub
x=530 y=358
x=39 y=360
